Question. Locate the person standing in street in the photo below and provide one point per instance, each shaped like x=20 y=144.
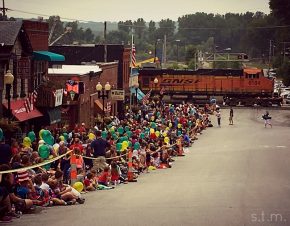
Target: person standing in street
x=267 y=119
x=231 y=118
x=218 y=116
x=99 y=146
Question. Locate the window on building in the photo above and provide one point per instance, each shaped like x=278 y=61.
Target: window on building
x=146 y=82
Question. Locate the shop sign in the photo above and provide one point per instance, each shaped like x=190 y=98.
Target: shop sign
x=117 y=94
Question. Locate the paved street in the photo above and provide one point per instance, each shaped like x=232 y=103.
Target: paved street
x=232 y=176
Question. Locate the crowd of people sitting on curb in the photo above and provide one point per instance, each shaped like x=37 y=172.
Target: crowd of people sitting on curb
x=41 y=168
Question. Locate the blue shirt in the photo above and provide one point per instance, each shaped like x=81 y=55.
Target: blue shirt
x=186 y=138
x=5 y=154
x=99 y=146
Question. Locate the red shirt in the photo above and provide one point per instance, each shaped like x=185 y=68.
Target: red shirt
x=14 y=150
x=115 y=175
x=76 y=129
x=79 y=146
x=104 y=177
x=87 y=182
x=153 y=136
x=82 y=129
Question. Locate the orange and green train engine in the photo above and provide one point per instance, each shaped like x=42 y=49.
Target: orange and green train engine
x=244 y=86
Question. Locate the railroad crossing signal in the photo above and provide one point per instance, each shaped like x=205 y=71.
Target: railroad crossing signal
x=212 y=57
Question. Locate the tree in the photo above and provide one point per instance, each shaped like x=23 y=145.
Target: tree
x=190 y=53
x=98 y=39
x=2 y=18
x=125 y=26
x=117 y=37
x=284 y=72
x=192 y=64
x=151 y=31
x=166 y=27
x=197 y=27
x=278 y=61
x=88 y=35
x=256 y=40
x=139 y=27
x=281 y=9
x=56 y=28
x=174 y=66
x=75 y=35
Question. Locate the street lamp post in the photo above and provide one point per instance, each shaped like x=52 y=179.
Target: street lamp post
x=177 y=48
x=103 y=93
x=155 y=84
x=155 y=50
x=136 y=89
x=8 y=81
x=160 y=99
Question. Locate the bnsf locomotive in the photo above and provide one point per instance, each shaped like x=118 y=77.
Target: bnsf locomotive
x=241 y=86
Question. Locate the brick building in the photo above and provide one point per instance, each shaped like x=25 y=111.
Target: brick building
x=16 y=55
x=81 y=103
x=76 y=55
x=24 y=51
x=48 y=92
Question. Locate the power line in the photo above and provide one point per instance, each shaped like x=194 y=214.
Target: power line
x=169 y=27
x=39 y=14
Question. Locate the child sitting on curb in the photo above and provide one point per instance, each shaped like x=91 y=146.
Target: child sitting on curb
x=89 y=183
x=105 y=177
x=45 y=187
x=115 y=178
x=64 y=191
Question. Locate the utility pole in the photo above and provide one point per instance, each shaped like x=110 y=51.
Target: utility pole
x=284 y=49
x=177 y=48
x=164 y=51
x=270 y=52
x=273 y=52
x=3 y=9
x=105 y=41
x=195 y=60
x=270 y=55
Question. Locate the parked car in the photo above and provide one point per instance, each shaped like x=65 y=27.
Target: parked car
x=287 y=99
x=285 y=94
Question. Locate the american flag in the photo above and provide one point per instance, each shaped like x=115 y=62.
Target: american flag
x=146 y=97
x=133 y=60
x=30 y=100
x=162 y=91
x=109 y=107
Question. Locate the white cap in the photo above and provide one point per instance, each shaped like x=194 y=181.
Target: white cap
x=41 y=142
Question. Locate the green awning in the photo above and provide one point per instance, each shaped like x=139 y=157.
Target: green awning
x=140 y=94
x=47 y=56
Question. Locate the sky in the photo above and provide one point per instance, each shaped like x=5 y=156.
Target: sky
x=121 y=10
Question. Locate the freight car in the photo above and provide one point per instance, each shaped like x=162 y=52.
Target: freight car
x=236 y=86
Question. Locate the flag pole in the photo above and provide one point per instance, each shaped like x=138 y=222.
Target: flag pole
x=132 y=43
x=131 y=71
